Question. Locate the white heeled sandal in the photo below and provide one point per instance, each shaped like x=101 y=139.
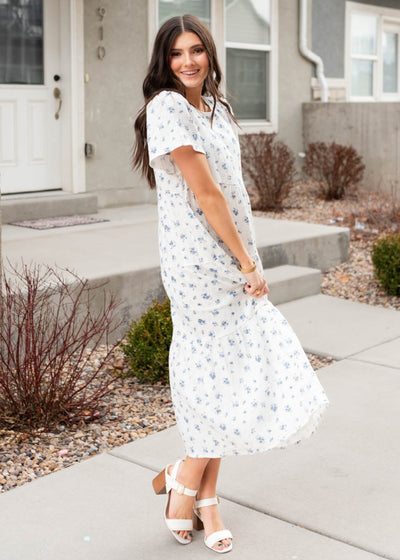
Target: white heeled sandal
x=217 y=535
x=162 y=484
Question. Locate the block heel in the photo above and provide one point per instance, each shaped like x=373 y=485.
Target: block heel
x=197 y=522
x=159 y=483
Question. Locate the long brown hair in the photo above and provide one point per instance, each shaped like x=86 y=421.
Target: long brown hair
x=160 y=77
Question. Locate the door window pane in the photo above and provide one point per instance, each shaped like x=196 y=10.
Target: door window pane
x=390 y=50
x=21 y=42
x=363 y=34
x=170 y=8
x=362 y=78
x=248 y=22
x=247 y=72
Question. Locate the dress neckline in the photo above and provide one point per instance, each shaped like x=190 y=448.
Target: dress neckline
x=203 y=112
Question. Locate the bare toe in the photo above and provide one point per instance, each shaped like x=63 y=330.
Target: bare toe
x=184 y=535
x=222 y=544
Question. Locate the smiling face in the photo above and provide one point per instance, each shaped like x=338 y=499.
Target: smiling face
x=189 y=61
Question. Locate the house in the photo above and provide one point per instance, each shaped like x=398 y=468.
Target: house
x=359 y=44
x=71 y=74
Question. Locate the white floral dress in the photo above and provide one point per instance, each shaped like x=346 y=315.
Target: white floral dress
x=240 y=380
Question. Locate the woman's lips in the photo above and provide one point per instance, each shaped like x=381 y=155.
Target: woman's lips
x=190 y=73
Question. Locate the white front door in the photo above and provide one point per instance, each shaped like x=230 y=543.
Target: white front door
x=31 y=116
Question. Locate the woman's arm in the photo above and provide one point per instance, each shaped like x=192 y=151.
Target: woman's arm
x=194 y=167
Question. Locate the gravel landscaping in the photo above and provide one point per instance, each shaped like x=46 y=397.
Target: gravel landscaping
x=368 y=216
x=133 y=410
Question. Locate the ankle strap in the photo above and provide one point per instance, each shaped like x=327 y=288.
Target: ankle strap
x=171 y=482
x=207 y=502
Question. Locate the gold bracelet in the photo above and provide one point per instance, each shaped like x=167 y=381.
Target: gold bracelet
x=250 y=269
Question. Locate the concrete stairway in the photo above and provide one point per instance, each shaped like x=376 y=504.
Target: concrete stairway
x=288 y=282
x=123 y=251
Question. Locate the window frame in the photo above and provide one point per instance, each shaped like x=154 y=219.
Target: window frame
x=218 y=19
x=385 y=18
x=259 y=47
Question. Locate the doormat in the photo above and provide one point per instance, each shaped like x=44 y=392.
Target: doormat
x=58 y=222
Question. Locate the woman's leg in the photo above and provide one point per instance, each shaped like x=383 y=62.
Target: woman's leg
x=210 y=514
x=189 y=474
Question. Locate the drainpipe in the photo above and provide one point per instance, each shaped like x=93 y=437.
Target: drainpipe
x=305 y=51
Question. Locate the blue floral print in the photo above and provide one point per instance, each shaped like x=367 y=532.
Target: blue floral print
x=240 y=380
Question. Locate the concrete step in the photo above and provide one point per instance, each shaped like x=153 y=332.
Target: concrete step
x=301 y=243
x=288 y=282
x=17 y=208
x=124 y=252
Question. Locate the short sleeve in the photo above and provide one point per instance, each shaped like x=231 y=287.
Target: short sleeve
x=169 y=125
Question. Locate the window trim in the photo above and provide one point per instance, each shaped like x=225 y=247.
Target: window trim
x=391 y=26
x=247 y=46
x=384 y=17
x=218 y=31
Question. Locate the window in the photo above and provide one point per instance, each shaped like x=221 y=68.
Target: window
x=242 y=32
x=170 y=8
x=374 y=53
x=390 y=59
x=21 y=42
x=247 y=35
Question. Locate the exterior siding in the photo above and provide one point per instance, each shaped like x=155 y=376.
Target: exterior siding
x=294 y=77
x=113 y=97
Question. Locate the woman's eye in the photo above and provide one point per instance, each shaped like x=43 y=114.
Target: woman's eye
x=199 y=50
x=175 y=54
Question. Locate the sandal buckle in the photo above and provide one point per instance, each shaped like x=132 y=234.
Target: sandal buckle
x=180 y=489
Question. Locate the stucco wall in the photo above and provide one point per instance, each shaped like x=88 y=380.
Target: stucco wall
x=294 y=75
x=328 y=37
x=113 y=96
x=371 y=128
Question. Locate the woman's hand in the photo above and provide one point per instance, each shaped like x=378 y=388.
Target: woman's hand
x=256 y=284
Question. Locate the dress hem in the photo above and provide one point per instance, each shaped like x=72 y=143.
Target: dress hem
x=302 y=433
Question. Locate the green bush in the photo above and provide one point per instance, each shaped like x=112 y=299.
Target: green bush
x=147 y=344
x=386 y=260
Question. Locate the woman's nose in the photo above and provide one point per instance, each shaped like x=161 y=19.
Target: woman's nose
x=187 y=59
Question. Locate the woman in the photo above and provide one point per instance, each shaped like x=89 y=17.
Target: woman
x=240 y=381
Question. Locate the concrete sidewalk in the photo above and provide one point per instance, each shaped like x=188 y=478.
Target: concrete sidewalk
x=333 y=497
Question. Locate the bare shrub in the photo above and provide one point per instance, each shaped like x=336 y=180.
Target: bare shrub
x=270 y=165
x=335 y=167
x=384 y=214
x=48 y=335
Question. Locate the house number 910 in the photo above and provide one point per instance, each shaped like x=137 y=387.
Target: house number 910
x=101 y=50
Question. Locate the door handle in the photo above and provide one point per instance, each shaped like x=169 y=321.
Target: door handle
x=57 y=95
